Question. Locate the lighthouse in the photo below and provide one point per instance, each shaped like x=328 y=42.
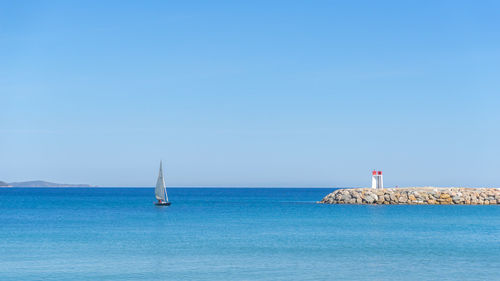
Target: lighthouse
x=377 y=179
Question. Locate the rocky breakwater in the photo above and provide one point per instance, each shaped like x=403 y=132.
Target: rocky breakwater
x=415 y=196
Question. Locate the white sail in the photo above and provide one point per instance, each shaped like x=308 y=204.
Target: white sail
x=160 y=191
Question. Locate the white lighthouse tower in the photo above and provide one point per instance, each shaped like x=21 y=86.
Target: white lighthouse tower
x=377 y=179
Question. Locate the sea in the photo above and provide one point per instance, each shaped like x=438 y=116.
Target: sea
x=238 y=234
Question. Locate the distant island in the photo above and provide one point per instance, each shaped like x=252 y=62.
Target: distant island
x=4 y=184
x=39 y=183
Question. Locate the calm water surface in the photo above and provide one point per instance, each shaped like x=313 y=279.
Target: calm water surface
x=238 y=234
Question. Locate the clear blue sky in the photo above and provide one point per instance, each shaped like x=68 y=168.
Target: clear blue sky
x=250 y=93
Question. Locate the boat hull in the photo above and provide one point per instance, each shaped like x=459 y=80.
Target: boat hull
x=163 y=204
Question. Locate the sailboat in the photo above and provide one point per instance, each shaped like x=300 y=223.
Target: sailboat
x=161 y=191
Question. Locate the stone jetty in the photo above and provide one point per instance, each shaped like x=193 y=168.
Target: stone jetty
x=415 y=196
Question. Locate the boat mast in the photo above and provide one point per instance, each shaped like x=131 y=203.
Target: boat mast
x=164 y=186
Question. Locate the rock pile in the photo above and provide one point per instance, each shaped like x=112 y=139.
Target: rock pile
x=415 y=196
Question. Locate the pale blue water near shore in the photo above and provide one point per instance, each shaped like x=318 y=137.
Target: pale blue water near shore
x=238 y=234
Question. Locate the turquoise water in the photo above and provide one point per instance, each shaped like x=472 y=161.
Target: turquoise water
x=238 y=234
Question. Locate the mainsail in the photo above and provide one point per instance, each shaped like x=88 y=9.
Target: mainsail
x=160 y=191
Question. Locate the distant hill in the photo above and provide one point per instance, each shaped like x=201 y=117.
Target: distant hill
x=45 y=184
x=4 y=184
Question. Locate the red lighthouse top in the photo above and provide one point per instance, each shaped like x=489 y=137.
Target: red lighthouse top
x=374 y=173
x=379 y=172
